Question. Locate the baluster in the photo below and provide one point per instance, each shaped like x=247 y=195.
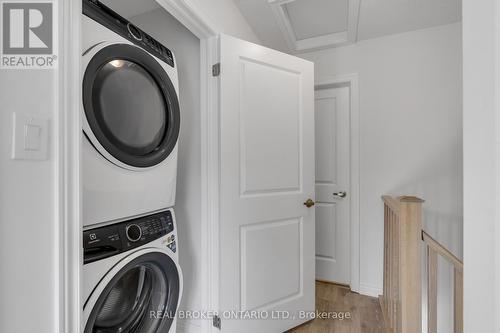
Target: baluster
x=431 y=290
x=458 y=296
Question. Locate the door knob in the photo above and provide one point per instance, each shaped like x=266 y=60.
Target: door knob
x=309 y=203
x=342 y=194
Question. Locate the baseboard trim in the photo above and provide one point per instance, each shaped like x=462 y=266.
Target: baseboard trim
x=370 y=290
x=341 y=285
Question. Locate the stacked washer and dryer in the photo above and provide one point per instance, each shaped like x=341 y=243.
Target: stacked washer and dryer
x=132 y=281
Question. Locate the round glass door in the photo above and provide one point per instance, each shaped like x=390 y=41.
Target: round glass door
x=141 y=298
x=131 y=105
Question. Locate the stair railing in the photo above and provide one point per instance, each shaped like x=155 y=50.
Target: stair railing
x=434 y=248
x=401 y=301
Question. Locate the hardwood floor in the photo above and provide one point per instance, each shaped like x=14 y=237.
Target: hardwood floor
x=365 y=313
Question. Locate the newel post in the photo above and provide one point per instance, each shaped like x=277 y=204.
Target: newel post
x=410 y=278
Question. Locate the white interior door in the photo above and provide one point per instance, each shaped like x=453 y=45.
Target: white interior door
x=332 y=114
x=267 y=173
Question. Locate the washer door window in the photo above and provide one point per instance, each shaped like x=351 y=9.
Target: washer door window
x=131 y=105
x=141 y=298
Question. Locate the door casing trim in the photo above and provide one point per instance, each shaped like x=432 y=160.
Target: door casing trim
x=199 y=25
x=351 y=81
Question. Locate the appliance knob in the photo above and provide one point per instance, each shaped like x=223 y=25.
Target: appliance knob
x=136 y=33
x=134 y=233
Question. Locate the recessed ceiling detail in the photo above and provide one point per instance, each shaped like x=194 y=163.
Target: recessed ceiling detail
x=313 y=24
x=313 y=18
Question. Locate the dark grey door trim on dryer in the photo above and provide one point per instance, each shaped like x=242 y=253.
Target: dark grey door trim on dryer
x=137 y=154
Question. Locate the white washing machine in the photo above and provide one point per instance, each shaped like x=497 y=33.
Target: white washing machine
x=130 y=116
x=132 y=281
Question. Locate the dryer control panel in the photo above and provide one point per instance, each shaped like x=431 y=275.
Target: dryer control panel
x=107 y=241
x=111 y=20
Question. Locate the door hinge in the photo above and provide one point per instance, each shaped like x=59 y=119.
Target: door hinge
x=216 y=322
x=216 y=69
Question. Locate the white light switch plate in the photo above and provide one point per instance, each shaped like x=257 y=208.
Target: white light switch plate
x=30 y=136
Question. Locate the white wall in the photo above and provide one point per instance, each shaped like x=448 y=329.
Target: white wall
x=28 y=223
x=481 y=236
x=186 y=48
x=496 y=203
x=31 y=287
x=411 y=132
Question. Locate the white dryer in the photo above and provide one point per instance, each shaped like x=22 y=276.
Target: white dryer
x=130 y=117
x=132 y=281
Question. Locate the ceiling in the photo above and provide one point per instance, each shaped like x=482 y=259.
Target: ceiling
x=301 y=25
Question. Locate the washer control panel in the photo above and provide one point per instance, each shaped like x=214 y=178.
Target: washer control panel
x=102 y=14
x=107 y=241
x=134 y=232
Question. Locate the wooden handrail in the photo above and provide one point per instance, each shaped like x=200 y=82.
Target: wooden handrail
x=434 y=248
x=401 y=302
x=440 y=249
x=394 y=203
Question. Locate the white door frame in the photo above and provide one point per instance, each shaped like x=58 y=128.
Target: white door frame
x=195 y=21
x=68 y=135
x=351 y=81
x=68 y=125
